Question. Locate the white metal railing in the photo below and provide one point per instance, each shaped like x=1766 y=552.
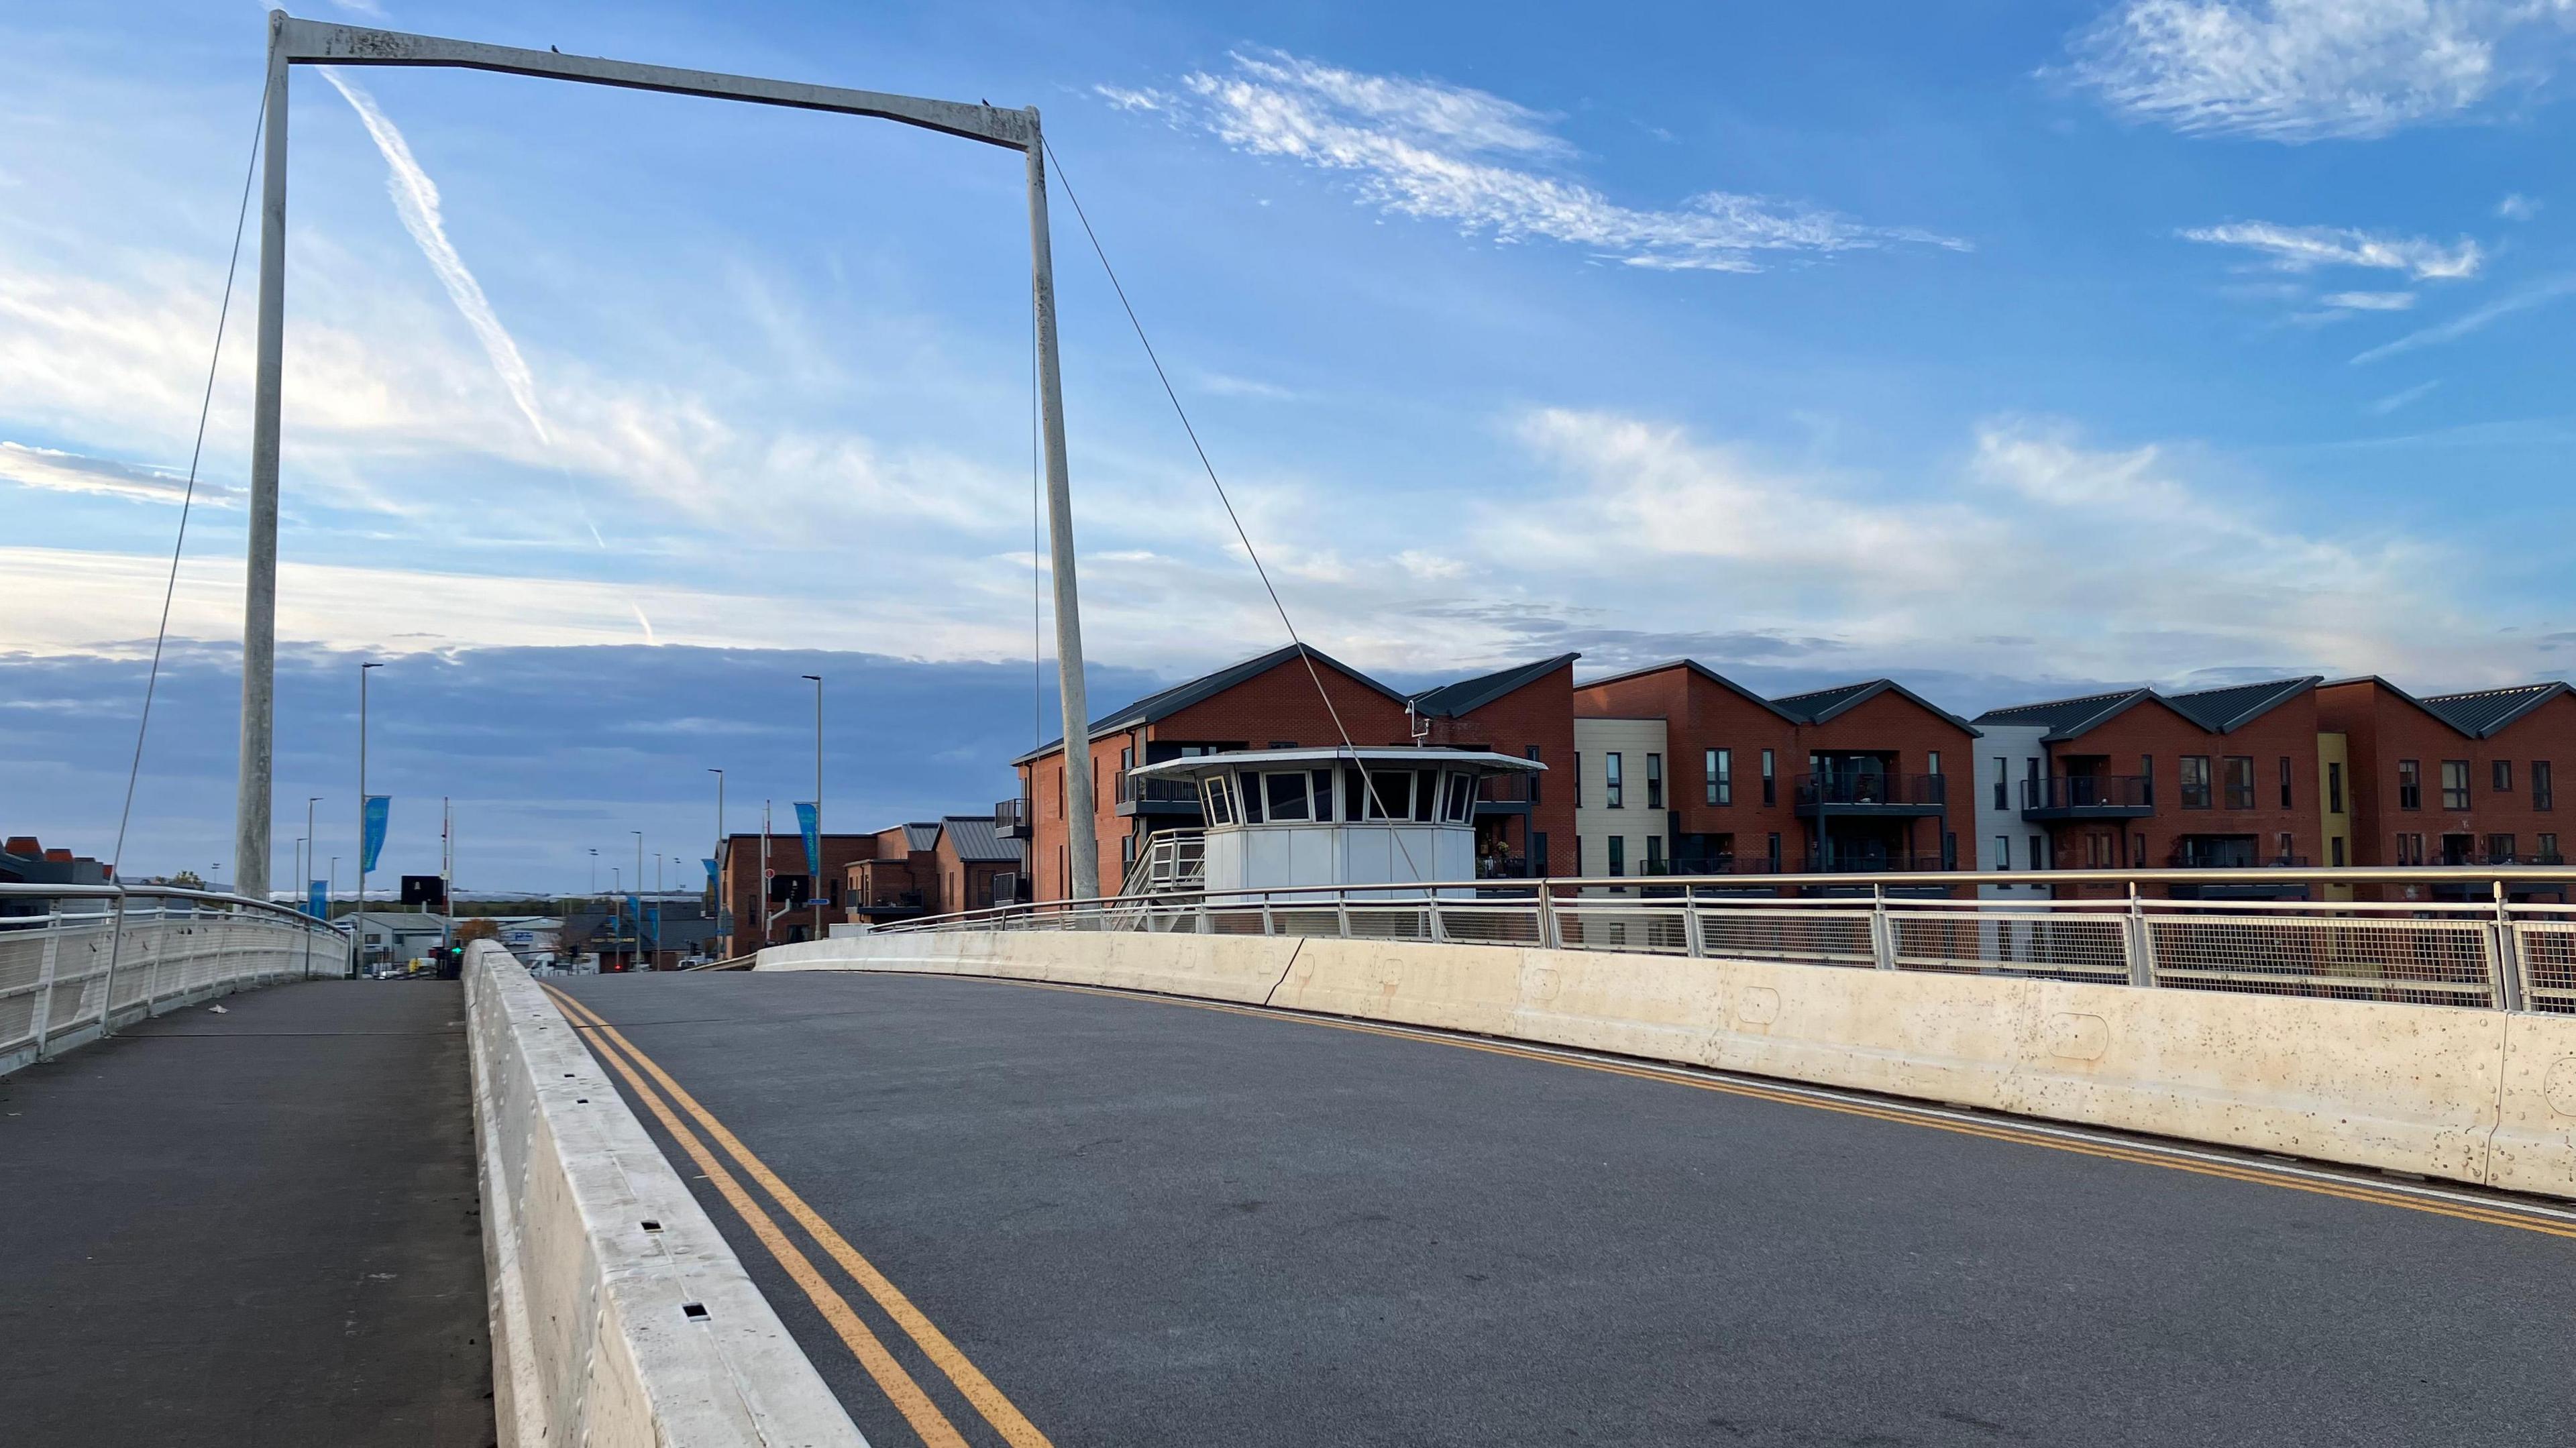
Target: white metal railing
x=2506 y=941
x=76 y=961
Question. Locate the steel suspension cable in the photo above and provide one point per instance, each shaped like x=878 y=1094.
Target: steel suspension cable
x=1304 y=654
x=187 y=501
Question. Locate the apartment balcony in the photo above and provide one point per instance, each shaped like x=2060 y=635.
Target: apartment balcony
x=1871 y=862
x=892 y=905
x=1503 y=867
x=1010 y=887
x=1157 y=798
x=2088 y=797
x=1506 y=794
x=1855 y=793
x=1013 y=819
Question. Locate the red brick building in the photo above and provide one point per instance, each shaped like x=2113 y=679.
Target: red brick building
x=1269 y=702
x=2136 y=779
x=1527 y=712
x=758 y=909
x=956 y=863
x=1855 y=777
x=2466 y=779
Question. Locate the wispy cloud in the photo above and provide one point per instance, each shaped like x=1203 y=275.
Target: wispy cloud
x=2370 y=301
x=416 y=200
x=1428 y=149
x=2538 y=294
x=2396 y=400
x=2517 y=207
x=2305 y=248
x=66 y=472
x=2306 y=70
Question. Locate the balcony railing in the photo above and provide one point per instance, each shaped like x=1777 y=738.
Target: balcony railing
x=1882 y=793
x=2088 y=796
x=1514 y=790
x=1013 y=819
x=1503 y=867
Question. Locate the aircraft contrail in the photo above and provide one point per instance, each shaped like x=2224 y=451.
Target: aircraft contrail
x=416 y=201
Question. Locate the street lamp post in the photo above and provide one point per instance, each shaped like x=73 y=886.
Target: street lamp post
x=814 y=866
x=359 y=961
x=639 y=891
x=715 y=882
x=312 y=842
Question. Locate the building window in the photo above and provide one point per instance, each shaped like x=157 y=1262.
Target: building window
x=1932 y=762
x=2547 y=853
x=2287 y=845
x=2195 y=781
x=1770 y=787
x=1618 y=851
x=2410 y=785
x=2455 y=784
x=2003 y=778
x=2285 y=781
x=1654 y=781
x=2334 y=849
x=2410 y=849
x=2240 y=781
x=2003 y=848
x=2038 y=852
x=2097 y=849
x=2138 y=855
x=1613 y=792
x=1532 y=753
x=2500 y=849
x=1721 y=776
x=1654 y=854
x=1578 y=803
x=1949 y=849
x=1775 y=843
x=2500 y=776
x=2334 y=789
x=2540 y=785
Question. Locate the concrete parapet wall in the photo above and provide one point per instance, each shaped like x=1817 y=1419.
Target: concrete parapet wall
x=607 y=1330
x=2470 y=1095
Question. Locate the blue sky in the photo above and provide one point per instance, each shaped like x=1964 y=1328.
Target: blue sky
x=2010 y=349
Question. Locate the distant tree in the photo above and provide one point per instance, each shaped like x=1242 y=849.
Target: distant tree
x=188 y=880
x=477 y=928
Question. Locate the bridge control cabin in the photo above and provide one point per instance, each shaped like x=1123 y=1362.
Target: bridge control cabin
x=1394 y=815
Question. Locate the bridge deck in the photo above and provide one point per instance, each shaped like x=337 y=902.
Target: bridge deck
x=252 y=1227
x=1152 y=1223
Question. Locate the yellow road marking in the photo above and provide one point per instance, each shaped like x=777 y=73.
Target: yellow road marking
x=2350 y=1191
x=989 y=1400
x=907 y=1396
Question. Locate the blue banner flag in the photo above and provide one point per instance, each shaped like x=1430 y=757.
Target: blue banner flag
x=711 y=874
x=809 y=818
x=317 y=899
x=378 y=805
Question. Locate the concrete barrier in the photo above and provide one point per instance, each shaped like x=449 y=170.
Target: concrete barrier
x=619 y=1315
x=2478 y=1096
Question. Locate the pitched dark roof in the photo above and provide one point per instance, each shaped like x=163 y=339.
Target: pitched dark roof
x=1207 y=686
x=1466 y=696
x=2220 y=710
x=1696 y=667
x=920 y=836
x=2066 y=718
x=2482 y=712
x=976 y=841
x=1818 y=705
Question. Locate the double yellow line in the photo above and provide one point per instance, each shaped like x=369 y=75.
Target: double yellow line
x=898 y=1385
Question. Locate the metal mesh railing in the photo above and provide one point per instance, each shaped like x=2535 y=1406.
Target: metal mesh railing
x=2546 y=950
x=2514 y=948
x=77 y=960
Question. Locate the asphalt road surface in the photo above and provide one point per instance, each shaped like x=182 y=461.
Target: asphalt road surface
x=1152 y=1223
x=249 y=1227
